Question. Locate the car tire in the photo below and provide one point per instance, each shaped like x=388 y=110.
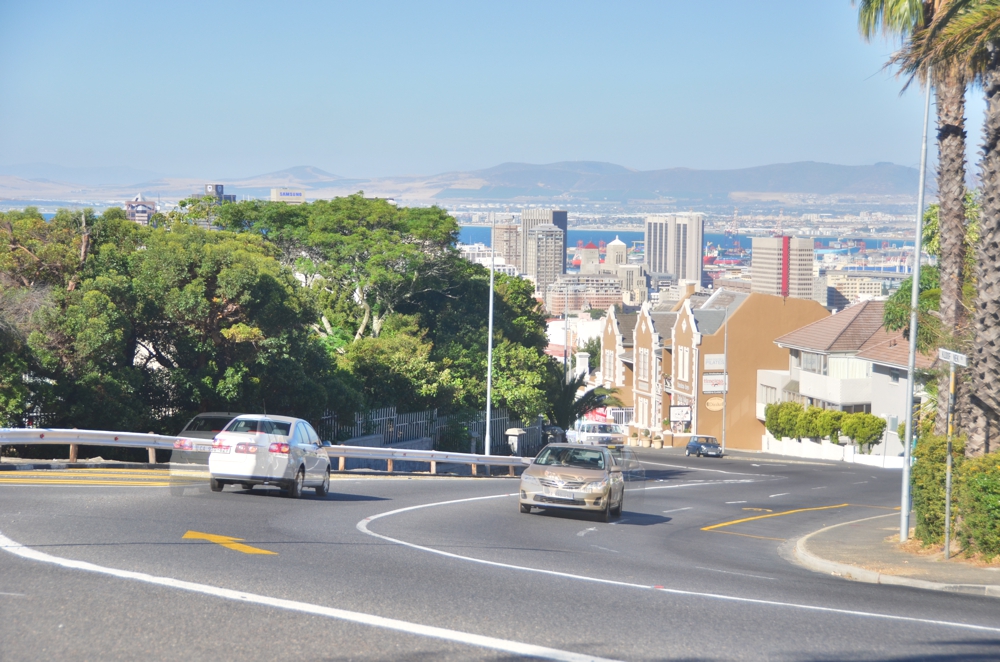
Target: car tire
x=699 y=453
x=247 y=486
x=687 y=451
x=524 y=508
x=617 y=512
x=324 y=489
x=215 y=484
x=606 y=513
x=294 y=490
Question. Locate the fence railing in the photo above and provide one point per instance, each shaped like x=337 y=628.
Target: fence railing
x=621 y=415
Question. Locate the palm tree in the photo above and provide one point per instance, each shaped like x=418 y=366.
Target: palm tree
x=566 y=407
x=965 y=35
x=903 y=18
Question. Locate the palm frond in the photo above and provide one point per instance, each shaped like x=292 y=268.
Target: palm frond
x=891 y=18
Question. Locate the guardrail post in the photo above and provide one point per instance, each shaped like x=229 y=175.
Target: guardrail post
x=73 y=452
x=434 y=466
x=511 y=468
x=388 y=465
x=340 y=463
x=151 y=451
x=473 y=469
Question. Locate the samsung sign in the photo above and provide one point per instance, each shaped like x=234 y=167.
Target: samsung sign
x=290 y=194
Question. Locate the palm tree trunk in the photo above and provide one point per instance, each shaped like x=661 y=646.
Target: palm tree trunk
x=982 y=426
x=950 y=96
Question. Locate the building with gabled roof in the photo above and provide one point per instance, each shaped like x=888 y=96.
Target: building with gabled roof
x=617 y=341
x=651 y=351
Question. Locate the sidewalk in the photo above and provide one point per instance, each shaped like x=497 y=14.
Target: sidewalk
x=863 y=551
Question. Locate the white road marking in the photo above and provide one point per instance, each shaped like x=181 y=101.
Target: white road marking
x=16 y=595
x=735 y=502
x=717 y=482
x=730 y=572
x=492 y=643
x=677 y=510
x=777 y=495
x=586 y=531
x=819 y=488
x=613 y=551
x=681 y=466
x=363 y=527
x=863 y=482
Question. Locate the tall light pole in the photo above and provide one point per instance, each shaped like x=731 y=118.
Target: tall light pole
x=904 y=510
x=489 y=339
x=725 y=373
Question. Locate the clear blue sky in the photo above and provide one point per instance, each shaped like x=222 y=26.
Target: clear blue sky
x=230 y=89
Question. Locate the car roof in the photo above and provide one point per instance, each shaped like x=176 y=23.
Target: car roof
x=566 y=445
x=231 y=414
x=267 y=417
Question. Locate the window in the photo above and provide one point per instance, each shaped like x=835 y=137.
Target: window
x=643 y=366
x=894 y=376
x=768 y=394
x=812 y=362
x=796 y=358
x=683 y=364
x=846 y=367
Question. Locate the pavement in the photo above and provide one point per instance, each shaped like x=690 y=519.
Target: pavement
x=867 y=550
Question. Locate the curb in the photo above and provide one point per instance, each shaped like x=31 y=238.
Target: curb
x=854 y=573
x=55 y=466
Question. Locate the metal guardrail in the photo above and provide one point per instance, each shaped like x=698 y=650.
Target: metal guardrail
x=9 y=436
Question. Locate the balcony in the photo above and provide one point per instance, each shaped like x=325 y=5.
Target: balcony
x=835 y=391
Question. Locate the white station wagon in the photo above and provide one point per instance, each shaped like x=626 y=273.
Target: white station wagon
x=269 y=450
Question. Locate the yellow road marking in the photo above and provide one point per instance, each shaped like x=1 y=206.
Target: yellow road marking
x=756 y=517
x=227 y=542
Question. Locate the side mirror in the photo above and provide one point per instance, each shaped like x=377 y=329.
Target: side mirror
x=326 y=444
x=616 y=469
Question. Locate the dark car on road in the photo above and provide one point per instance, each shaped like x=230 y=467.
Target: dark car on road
x=700 y=445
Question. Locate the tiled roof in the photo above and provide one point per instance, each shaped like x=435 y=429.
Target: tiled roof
x=847 y=331
x=663 y=324
x=709 y=320
x=626 y=324
x=627 y=357
x=892 y=349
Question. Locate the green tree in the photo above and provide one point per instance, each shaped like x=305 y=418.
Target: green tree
x=522 y=379
x=807 y=426
x=864 y=429
x=782 y=419
x=593 y=349
x=828 y=424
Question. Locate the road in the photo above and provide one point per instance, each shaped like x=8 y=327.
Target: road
x=446 y=568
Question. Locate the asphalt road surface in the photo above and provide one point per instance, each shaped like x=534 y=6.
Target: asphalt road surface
x=697 y=568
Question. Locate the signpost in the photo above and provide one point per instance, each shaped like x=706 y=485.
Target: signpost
x=953 y=359
x=714 y=382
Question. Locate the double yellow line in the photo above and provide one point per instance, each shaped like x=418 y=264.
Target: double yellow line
x=720 y=525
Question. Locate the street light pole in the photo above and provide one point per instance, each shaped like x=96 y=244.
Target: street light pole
x=489 y=339
x=725 y=372
x=904 y=510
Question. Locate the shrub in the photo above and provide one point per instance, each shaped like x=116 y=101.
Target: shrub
x=828 y=423
x=781 y=419
x=807 y=424
x=454 y=437
x=864 y=429
x=979 y=505
x=927 y=479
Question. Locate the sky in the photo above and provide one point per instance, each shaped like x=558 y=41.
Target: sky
x=231 y=89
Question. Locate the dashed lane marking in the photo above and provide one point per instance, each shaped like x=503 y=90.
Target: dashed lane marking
x=228 y=542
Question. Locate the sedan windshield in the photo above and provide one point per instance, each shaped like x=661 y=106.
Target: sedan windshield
x=602 y=428
x=207 y=424
x=571 y=457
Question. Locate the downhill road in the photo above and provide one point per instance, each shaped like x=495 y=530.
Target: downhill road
x=698 y=567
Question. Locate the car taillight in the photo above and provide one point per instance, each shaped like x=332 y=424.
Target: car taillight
x=246 y=448
x=182 y=444
x=278 y=448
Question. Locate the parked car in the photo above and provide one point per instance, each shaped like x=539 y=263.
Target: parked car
x=570 y=477
x=600 y=433
x=269 y=450
x=190 y=448
x=700 y=445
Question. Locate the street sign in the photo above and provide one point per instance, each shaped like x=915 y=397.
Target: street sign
x=717 y=382
x=715 y=362
x=680 y=414
x=949 y=356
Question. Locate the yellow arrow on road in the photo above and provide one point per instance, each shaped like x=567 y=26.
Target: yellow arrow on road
x=227 y=542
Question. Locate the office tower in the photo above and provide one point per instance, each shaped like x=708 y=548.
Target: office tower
x=615 y=253
x=782 y=266
x=139 y=210
x=674 y=245
x=507 y=241
x=590 y=259
x=531 y=218
x=543 y=259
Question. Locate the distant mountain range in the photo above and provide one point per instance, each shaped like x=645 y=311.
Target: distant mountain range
x=509 y=182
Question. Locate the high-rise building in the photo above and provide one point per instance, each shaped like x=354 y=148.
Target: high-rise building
x=782 y=266
x=674 y=245
x=291 y=196
x=615 y=253
x=590 y=259
x=507 y=241
x=544 y=255
x=217 y=191
x=531 y=218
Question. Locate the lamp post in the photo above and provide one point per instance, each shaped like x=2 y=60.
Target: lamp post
x=489 y=339
x=904 y=510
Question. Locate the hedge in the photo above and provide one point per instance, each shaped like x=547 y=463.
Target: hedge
x=927 y=479
x=979 y=505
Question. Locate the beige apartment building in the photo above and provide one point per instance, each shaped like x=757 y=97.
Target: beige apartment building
x=651 y=351
x=674 y=245
x=532 y=218
x=576 y=293
x=544 y=256
x=616 y=354
x=507 y=241
x=855 y=288
x=782 y=266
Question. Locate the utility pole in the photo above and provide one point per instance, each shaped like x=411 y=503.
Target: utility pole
x=725 y=377
x=952 y=358
x=904 y=506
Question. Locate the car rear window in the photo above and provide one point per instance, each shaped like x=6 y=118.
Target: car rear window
x=280 y=428
x=247 y=426
x=571 y=457
x=207 y=424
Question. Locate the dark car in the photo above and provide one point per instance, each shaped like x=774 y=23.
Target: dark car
x=700 y=445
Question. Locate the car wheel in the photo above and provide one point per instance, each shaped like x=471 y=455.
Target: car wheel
x=324 y=489
x=687 y=451
x=525 y=508
x=247 y=486
x=295 y=487
x=699 y=453
x=617 y=512
x=215 y=484
x=606 y=514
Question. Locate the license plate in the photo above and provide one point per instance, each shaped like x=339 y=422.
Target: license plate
x=563 y=494
x=203 y=448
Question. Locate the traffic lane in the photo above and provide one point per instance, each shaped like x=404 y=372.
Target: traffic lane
x=54 y=613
